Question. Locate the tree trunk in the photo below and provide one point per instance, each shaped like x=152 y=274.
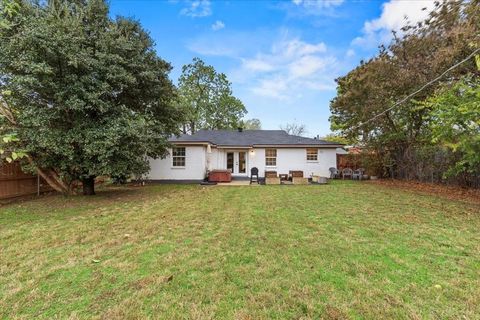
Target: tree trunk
x=89 y=186
x=192 y=127
x=51 y=182
x=51 y=178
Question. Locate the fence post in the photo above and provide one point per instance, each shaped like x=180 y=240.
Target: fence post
x=38 y=184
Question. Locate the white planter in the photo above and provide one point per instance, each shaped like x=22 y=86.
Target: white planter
x=319 y=179
x=322 y=180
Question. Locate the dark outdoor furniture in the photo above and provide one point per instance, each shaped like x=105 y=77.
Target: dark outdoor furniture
x=270 y=174
x=254 y=175
x=334 y=173
x=283 y=176
x=358 y=174
x=347 y=172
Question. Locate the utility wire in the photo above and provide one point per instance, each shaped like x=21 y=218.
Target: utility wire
x=417 y=91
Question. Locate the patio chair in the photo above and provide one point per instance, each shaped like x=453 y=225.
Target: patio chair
x=295 y=174
x=347 y=172
x=254 y=175
x=358 y=174
x=334 y=173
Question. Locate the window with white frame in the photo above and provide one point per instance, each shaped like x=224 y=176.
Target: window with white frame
x=312 y=154
x=271 y=157
x=178 y=156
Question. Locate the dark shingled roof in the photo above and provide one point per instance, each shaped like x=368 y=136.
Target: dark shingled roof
x=250 y=138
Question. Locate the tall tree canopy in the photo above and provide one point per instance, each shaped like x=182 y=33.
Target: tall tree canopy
x=82 y=95
x=207 y=99
x=251 y=124
x=404 y=136
x=456 y=122
x=331 y=137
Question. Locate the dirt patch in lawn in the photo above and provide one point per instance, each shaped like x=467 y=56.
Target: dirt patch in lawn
x=449 y=192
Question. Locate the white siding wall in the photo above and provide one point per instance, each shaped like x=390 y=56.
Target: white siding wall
x=257 y=159
x=296 y=159
x=162 y=169
x=287 y=159
x=217 y=159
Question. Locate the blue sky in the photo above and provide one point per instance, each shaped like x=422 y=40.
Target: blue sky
x=281 y=56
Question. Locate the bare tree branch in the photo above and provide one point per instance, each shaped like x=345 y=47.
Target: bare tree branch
x=295 y=129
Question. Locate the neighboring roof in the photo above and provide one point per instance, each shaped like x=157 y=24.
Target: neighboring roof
x=249 y=138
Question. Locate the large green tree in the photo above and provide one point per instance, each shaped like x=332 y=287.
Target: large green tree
x=456 y=111
x=402 y=136
x=332 y=137
x=207 y=99
x=82 y=95
x=251 y=124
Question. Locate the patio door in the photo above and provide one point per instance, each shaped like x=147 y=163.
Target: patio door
x=237 y=162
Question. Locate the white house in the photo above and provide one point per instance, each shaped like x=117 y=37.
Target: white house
x=192 y=156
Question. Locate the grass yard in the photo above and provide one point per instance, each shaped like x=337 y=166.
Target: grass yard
x=345 y=250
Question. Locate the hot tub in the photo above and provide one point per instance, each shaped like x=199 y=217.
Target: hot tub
x=220 y=176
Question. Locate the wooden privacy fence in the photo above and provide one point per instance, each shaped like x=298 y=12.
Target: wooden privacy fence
x=15 y=183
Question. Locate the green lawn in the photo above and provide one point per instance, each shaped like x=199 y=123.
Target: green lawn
x=345 y=250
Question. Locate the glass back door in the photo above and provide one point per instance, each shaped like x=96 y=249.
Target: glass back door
x=230 y=161
x=237 y=162
x=242 y=162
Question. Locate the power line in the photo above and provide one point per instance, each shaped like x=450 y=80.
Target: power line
x=417 y=91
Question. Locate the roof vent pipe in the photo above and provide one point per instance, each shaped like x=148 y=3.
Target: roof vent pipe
x=240 y=129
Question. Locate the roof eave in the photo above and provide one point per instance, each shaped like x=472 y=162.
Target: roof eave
x=202 y=143
x=302 y=145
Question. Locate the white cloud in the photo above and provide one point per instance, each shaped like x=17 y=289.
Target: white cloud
x=197 y=9
x=218 y=25
x=296 y=47
x=257 y=64
x=276 y=87
x=308 y=65
x=350 y=53
x=278 y=69
x=316 y=7
x=395 y=14
x=229 y=43
x=291 y=66
x=317 y=4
